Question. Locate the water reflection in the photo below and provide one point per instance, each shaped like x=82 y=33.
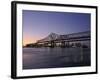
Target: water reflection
x=35 y=58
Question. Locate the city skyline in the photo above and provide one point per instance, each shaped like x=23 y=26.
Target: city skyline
x=38 y=24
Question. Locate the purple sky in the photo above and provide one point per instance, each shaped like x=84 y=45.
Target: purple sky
x=39 y=24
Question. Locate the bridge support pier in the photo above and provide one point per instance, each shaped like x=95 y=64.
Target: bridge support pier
x=63 y=44
x=52 y=44
x=67 y=44
x=45 y=44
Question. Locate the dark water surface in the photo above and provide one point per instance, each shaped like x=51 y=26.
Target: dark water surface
x=35 y=58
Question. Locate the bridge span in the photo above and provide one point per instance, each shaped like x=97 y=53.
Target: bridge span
x=66 y=40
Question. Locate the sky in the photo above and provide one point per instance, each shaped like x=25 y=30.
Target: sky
x=39 y=24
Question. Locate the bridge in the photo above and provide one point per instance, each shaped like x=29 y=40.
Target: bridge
x=66 y=40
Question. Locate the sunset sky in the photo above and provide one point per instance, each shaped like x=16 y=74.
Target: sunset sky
x=39 y=24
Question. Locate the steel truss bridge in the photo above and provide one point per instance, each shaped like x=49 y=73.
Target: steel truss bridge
x=54 y=39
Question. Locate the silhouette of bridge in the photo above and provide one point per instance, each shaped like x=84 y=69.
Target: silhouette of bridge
x=74 y=39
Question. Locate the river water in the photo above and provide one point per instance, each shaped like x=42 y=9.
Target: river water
x=35 y=58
